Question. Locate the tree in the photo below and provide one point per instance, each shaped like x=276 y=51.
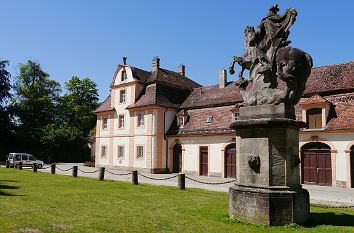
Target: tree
x=35 y=103
x=6 y=126
x=79 y=102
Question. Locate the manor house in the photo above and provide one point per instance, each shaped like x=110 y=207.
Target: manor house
x=160 y=121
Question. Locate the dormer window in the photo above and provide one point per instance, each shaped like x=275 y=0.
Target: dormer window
x=209 y=119
x=180 y=121
x=236 y=116
x=314 y=118
x=123 y=75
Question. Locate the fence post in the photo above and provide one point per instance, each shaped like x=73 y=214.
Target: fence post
x=101 y=174
x=52 y=168
x=20 y=165
x=7 y=163
x=75 y=171
x=35 y=166
x=182 y=181
x=135 y=177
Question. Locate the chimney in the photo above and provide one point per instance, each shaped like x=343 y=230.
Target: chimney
x=155 y=63
x=222 y=78
x=182 y=70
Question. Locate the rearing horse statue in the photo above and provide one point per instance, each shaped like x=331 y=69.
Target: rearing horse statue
x=268 y=58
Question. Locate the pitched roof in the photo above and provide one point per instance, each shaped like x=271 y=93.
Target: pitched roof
x=197 y=123
x=172 y=79
x=341 y=114
x=105 y=106
x=138 y=74
x=161 y=95
x=331 y=79
x=315 y=99
x=213 y=96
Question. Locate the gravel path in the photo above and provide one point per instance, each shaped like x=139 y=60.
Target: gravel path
x=324 y=195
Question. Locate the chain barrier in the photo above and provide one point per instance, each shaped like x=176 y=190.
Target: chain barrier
x=87 y=171
x=151 y=178
x=64 y=170
x=44 y=167
x=211 y=183
x=116 y=174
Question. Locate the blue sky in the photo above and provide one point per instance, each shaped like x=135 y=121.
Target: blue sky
x=88 y=38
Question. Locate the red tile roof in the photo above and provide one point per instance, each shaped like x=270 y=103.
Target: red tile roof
x=331 y=79
x=213 y=96
x=315 y=99
x=197 y=123
x=105 y=106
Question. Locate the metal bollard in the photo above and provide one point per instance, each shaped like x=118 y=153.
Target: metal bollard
x=20 y=165
x=135 y=177
x=7 y=163
x=75 y=171
x=35 y=167
x=52 y=168
x=101 y=173
x=182 y=181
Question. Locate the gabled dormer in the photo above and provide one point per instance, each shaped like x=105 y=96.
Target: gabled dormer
x=127 y=84
x=182 y=118
x=315 y=111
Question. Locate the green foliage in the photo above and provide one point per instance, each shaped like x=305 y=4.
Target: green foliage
x=36 y=98
x=40 y=202
x=79 y=102
x=53 y=127
x=5 y=85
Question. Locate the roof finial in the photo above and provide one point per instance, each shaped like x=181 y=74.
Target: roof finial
x=124 y=60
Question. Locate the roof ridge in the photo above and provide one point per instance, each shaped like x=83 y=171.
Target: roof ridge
x=336 y=64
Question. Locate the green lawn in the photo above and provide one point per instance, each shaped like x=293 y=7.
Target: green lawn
x=41 y=202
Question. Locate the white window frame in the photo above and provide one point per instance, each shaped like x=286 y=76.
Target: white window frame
x=120 y=125
x=122 y=97
x=121 y=152
x=105 y=122
x=180 y=122
x=209 y=119
x=141 y=120
x=139 y=154
x=236 y=116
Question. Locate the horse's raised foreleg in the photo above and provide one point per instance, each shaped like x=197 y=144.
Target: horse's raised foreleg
x=233 y=62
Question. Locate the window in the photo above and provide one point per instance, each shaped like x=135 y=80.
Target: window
x=104 y=122
x=314 y=118
x=120 y=152
x=139 y=152
x=180 y=121
x=124 y=75
x=209 y=119
x=122 y=96
x=140 y=119
x=236 y=116
x=121 y=121
x=103 y=151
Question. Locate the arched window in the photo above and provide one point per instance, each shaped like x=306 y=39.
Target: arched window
x=124 y=75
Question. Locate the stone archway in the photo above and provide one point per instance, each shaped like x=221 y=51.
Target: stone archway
x=177 y=158
x=316 y=164
x=230 y=161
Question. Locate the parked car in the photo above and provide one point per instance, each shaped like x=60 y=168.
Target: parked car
x=26 y=159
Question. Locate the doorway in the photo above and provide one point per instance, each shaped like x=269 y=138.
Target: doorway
x=177 y=158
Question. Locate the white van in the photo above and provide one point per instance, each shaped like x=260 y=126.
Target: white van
x=26 y=159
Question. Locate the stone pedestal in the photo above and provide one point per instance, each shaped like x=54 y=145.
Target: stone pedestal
x=268 y=189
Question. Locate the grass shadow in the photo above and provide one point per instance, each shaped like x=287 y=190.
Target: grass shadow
x=4 y=186
x=331 y=219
